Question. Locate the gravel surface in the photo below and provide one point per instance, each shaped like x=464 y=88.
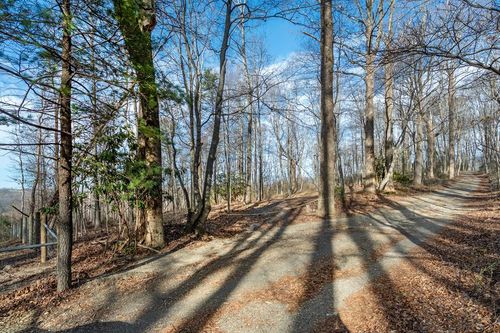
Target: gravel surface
x=282 y=277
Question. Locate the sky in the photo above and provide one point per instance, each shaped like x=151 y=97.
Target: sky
x=6 y=162
x=8 y=86
x=280 y=38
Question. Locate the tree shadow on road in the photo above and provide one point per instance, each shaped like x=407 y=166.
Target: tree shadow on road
x=456 y=249
x=205 y=311
x=250 y=247
x=323 y=312
x=243 y=255
x=425 y=226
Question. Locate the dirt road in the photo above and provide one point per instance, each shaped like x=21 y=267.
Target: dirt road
x=281 y=277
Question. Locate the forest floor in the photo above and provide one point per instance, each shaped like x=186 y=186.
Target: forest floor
x=416 y=262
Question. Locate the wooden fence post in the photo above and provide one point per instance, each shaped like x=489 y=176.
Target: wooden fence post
x=24 y=230
x=43 y=239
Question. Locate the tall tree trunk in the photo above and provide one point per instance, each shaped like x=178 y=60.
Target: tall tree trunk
x=177 y=172
x=431 y=145
x=369 y=167
x=56 y=145
x=196 y=171
x=373 y=35
x=289 y=159
x=451 y=122
x=173 y=183
x=97 y=200
x=255 y=182
x=241 y=152
x=389 y=110
x=227 y=154
x=326 y=201
x=248 y=79
x=419 y=131
x=261 y=159
x=459 y=154
x=38 y=174
x=419 y=156
x=192 y=85
x=65 y=223
x=341 y=179
x=403 y=158
x=203 y=208
x=137 y=20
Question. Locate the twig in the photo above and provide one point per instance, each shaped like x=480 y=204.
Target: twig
x=20 y=211
x=148 y=248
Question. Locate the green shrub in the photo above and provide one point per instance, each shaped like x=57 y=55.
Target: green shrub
x=401 y=178
x=379 y=168
x=237 y=186
x=339 y=191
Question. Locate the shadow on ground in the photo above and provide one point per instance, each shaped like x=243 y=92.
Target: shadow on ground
x=247 y=250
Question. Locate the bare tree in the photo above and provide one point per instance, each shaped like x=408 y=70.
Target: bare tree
x=203 y=207
x=451 y=121
x=326 y=204
x=372 y=15
x=137 y=20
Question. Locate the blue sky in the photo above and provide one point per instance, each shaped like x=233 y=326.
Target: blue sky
x=8 y=87
x=280 y=38
x=6 y=163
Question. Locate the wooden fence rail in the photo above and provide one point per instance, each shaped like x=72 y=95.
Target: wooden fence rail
x=33 y=231
x=26 y=247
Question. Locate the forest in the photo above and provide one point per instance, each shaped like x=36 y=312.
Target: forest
x=167 y=163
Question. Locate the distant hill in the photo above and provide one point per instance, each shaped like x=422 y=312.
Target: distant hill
x=9 y=197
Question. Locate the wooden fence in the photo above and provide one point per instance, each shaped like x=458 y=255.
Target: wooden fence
x=34 y=233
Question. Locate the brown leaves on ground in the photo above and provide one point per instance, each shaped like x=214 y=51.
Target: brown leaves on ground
x=96 y=255
x=292 y=291
x=250 y=217
x=93 y=256
x=360 y=202
x=450 y=284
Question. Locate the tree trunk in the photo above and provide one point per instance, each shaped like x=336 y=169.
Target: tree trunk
x=389 y=110
x=248 y=169
x=341 y=179
x=451 y=123
x=227 y=154
x=261 y=159
x=177 y=172
x=97 y=200
x=326 y=201
x=373 y=36
x=192 y=85
x=136 y=21
x=65 y=223
x=431 y=144
x=369 y=168
x=419 y=156
x=203 y=208
x=38 y=171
